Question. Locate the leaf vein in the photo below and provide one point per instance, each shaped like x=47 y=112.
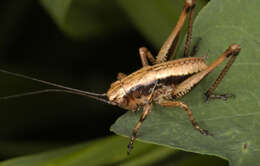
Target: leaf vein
x=233 y=116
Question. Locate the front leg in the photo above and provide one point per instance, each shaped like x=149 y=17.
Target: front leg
x=146 y=111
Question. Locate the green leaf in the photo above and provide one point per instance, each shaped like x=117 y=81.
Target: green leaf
x=107 y=151
x=58 y=9
x=111 y=151
x=233 y=123
x=13 y=148
x=81 y=19
x=155 y=18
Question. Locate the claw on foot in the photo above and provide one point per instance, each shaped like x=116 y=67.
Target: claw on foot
x=204 y=132
x=218 y=96
x=130 y=147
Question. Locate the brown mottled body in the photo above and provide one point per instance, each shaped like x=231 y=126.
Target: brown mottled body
x=137 y=86
x=163 y=82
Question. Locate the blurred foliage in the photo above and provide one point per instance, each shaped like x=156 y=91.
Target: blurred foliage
x=112 y=151
x=156 y=19
x=81 y=19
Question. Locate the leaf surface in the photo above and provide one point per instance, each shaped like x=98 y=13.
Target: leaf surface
x=234 y=123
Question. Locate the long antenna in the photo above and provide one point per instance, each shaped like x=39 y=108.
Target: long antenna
x=64 y=89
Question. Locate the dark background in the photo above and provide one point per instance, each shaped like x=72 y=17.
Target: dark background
x=32 y=44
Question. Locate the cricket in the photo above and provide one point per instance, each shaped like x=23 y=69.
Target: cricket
x=160 y=80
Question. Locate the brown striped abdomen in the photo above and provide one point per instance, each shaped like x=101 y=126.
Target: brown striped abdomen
x=168 y=72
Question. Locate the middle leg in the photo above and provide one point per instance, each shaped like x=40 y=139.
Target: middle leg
x=144 y=55
x=180 y=104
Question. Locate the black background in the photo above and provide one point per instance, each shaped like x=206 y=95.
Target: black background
x=33 y=45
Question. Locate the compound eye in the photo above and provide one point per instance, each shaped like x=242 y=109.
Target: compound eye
x=123 y=102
